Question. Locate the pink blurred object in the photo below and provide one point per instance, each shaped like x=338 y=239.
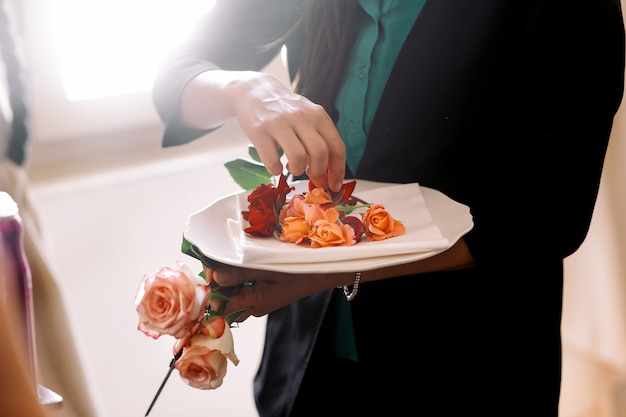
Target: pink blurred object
x=16 y=289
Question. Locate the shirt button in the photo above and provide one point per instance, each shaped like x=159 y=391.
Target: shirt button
x=362 y=72
x=351 y=128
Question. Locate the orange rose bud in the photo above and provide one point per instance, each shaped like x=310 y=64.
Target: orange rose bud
x=317 y=196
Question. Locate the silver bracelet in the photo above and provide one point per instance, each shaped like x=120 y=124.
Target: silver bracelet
x=355 y=288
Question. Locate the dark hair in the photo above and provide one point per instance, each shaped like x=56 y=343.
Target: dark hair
x=328 y=28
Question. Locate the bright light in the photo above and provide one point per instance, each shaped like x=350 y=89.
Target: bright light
x=112 y=47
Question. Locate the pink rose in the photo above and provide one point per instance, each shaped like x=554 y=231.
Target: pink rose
x=295 y=207
x=171 y=301
x=203 y=364
x=313 y=213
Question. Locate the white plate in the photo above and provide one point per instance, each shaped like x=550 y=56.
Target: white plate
x=434 y=222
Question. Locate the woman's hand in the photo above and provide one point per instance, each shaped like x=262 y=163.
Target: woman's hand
x=261 y=292
x=273 y=117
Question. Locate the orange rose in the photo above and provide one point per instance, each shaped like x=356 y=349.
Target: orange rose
x=295 y=230
x=171 y=301
x=379 y=224
x=203 y=364
x=317 y=196
x=325 y=233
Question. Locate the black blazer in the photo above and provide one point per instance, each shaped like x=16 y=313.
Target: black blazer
x=505 y=106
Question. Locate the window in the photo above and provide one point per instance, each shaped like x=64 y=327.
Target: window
x=92 y=62
x=113 y=47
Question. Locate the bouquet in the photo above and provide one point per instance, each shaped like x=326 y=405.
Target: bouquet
x=317 y=218
x=175 y=302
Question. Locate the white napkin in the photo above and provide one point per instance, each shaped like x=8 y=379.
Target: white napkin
x=403 y=201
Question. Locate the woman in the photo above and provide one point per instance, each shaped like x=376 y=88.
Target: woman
x=504 y=106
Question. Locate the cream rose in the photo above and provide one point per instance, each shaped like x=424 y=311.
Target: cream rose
x=203 y=364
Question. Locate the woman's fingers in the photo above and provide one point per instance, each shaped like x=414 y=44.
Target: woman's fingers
x=313 y=147
x=208 y=273
x=274 y=117
x=229 y=276
x=328 y=167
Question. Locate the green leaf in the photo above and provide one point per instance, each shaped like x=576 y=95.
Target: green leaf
x=248 y=175
x=218 y=296
x=189 y=249
x=255 y=155
x=348 y=209
x=232 y=317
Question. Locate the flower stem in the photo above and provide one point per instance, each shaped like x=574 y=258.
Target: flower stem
x=361 y=201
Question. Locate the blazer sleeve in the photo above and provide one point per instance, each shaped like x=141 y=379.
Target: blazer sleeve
x=233 y=35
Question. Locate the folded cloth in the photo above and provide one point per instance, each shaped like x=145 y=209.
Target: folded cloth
x=404 y=202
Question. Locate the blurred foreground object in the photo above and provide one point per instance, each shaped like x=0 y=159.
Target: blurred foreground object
x=16 y=292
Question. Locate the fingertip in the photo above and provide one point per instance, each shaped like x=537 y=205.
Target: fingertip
x=336 y=182
x=221 y=277
x=208 y=273
x=294 y=171
x=275 y=169
x=319 y=181
x=336 y=186
x=228 y=277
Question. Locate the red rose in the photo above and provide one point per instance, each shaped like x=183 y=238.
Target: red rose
x=265 y=201
x=262 y=218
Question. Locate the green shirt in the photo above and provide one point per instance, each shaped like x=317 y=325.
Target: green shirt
x=381 y=37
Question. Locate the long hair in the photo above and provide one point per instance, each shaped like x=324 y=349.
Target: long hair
x=329 y=28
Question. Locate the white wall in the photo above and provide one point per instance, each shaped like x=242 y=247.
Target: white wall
x=107 y=228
